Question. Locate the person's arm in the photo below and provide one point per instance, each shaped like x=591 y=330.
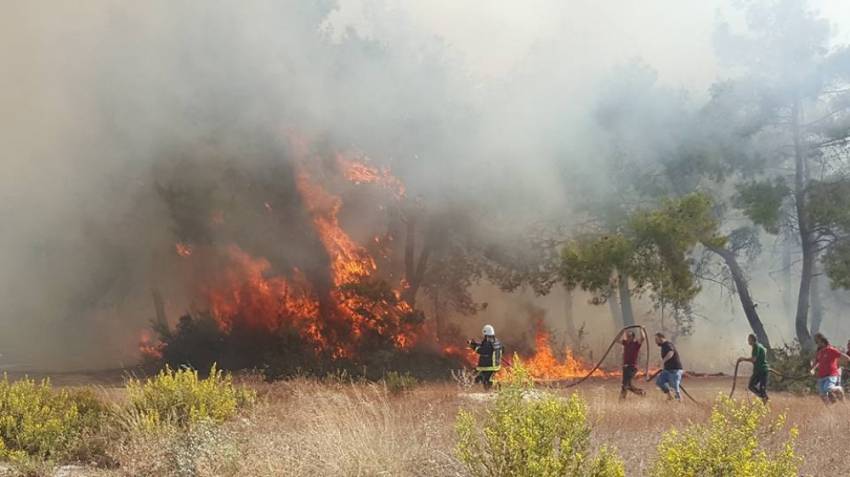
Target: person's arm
x=814 y=368
x=668 y=356
x=749 y=359
x=640 y=338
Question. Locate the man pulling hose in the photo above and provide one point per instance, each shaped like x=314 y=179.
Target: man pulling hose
x=631 y=349
x=670 y=378
x=828 y=373
x=758 y=380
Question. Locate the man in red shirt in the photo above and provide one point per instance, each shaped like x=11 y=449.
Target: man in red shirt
x=826 y=365
x=631 y=349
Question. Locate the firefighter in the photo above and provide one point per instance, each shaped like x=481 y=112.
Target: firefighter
x=489 y=356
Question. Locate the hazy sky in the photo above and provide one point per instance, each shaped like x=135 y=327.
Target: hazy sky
x=674 y=36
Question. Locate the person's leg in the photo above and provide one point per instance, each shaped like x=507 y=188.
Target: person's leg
x=485 y=378
x=676 y=380
x=624 y=385
x=753 y=383
x=762 y=386
x=833 y=389
x=758 y=384
x=823 y=390
x=632 y=386
x=661 y=382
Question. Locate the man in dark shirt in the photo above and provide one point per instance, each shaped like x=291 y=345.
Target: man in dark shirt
x=758 y=381
x=631 y=350
x=671 y=372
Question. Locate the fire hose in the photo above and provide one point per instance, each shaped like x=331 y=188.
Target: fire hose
x=646 y=368
x=610 y=347
x=650 y=377
x=682 y=388
x=771 y=370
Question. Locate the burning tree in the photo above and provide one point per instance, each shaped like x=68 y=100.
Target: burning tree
x=326 y=303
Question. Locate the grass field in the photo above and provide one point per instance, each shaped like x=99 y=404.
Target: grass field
x=306 y=428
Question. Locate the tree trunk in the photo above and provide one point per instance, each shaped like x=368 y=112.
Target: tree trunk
x=569 y=319
x=787 y=296
x=614 y=306
x=625 y=300
x=414 y=270
x=744 y=296
x=438 y=316
x=806 y=243
x=817 y=301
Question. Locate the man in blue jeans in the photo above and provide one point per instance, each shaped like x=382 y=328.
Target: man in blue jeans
x=671 y=373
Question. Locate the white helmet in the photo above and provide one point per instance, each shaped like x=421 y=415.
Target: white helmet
x=488 y=330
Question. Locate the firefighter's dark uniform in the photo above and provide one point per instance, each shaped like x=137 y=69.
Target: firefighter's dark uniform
x=489 y=360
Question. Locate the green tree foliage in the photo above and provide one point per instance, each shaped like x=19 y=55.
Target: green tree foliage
x=531 y=434
x=653 y=249
x=762 y=202
x=738 y=441
x=788 y=114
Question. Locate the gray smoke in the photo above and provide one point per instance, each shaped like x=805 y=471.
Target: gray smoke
x=489 y=106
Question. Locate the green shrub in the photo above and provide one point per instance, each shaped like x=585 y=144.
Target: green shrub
x=529 y=433
x=38 y=421
x=793 y=364
x=182 y=398
x=398 y=383
x=736 y=442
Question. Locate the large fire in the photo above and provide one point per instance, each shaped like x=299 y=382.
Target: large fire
x=356 y=309
x=243 y=291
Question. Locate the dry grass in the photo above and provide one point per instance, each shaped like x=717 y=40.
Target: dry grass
x=635 y=426
x=305 y=428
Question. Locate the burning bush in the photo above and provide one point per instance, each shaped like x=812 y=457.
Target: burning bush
x=529 y=434
x=322 y=305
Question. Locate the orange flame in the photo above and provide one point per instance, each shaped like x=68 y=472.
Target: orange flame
x=149 y=347
x=361 y=173
x=245 y=291
x=464 y=355
x=544 y=365
x=184 y=250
